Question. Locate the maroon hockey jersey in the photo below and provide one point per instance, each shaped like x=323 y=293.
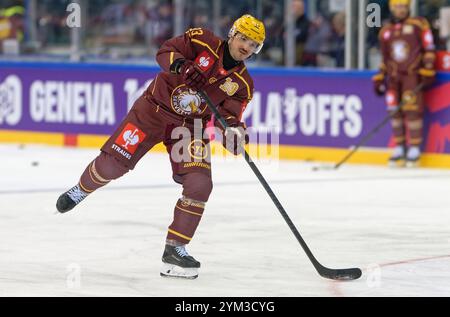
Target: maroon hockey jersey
x=407 y=47
x=229 y=90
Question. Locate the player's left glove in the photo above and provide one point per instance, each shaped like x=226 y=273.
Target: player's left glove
x=427 y=77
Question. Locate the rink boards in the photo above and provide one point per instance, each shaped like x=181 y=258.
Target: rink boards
x=315 y=115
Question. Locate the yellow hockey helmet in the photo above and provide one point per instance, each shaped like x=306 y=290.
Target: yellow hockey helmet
x=251 y=28
x=399 y=2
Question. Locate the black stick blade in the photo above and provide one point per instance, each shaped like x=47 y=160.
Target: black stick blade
x=341 y=275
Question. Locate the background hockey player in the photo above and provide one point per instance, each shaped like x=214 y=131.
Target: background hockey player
x=197 y=60
x=408 y=53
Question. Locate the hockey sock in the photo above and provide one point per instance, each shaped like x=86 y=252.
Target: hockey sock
x=100 y=172
x=187 y=216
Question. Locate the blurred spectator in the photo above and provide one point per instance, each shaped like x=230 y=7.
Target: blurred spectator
x=273 y=21
x=301 y=29
x=136 y=28
x=372 y=32
x=431 y=10
x=162 y=23
x=317 y=44
x=201 y=20
x=118 y=23
x=11 y=25
x=51 y=19
x=444 y=29
x=337 y=42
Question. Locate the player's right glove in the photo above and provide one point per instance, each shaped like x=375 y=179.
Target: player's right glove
x=191 y=74
x=378 y=84
x=235 y=138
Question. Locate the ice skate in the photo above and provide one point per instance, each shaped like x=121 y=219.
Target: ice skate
x=178 y=263
x=397 y=158
x=413 y=157
x=70 y=199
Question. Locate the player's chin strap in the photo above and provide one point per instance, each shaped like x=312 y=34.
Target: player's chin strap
x=344 y=274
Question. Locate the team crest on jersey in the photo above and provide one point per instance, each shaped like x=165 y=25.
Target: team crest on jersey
x=400 y=51
x=204 y=61
x=229 y=87
x=186 y=101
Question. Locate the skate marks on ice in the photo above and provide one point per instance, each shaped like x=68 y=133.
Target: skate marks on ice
x=112 y=243
x=427 y=276
x=303 y=180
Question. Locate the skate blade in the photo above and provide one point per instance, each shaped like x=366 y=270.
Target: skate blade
x=412 y=164
x=171 y=270
x=397 y=164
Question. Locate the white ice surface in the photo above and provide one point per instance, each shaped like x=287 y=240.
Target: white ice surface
x=394 y=224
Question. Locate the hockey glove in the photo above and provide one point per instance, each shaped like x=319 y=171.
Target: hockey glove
x=379 y=85
x=235 y=138
x=191 y=74
x=427 y=77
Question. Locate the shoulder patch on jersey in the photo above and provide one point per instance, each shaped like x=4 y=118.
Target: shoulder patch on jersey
x=385 y=33
x=408 y=29
x=229 y=86
x=420 y=22
x=204 y=60
x=428 y=40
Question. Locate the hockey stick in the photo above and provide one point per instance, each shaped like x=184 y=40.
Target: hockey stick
x=368 y=136
x=339 y=274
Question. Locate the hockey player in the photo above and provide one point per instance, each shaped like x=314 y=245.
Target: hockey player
x=197 y=60
x=408 y=53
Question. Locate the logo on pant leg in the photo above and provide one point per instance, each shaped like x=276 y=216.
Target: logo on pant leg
x=198 y=150
x=391 y=98
x=130 y=138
